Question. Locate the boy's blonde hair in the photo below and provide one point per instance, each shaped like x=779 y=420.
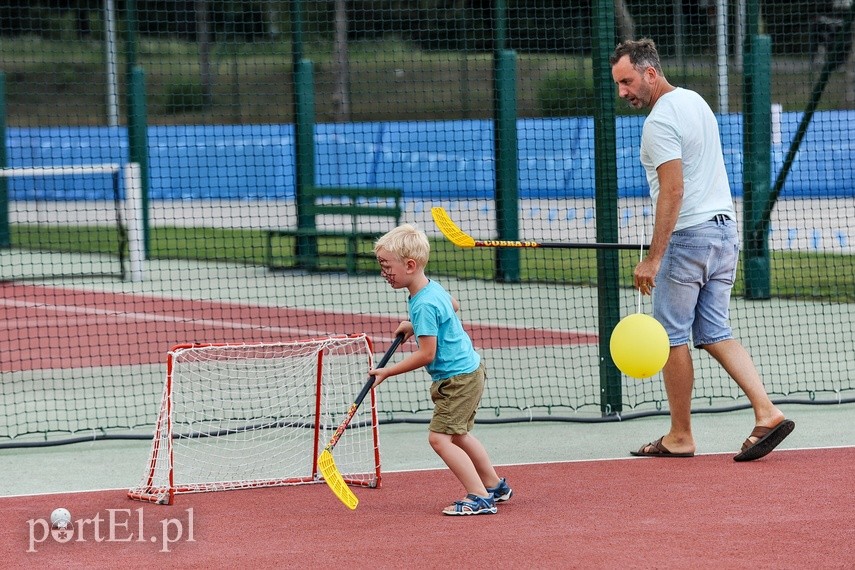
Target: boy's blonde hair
x=406 y=242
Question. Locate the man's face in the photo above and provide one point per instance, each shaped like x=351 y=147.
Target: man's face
x=633 y=86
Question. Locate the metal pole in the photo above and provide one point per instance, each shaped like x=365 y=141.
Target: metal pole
x=304 y=136
x=739 y=35
x=721 y=52
x=605 y=154
x=110 y=51
x=505 y=148
x=5 y=232
x=756 y=144
x=138 y=143
x=679 y=32
x=135 y=221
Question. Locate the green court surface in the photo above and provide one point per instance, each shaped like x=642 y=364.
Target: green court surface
x=119 y=464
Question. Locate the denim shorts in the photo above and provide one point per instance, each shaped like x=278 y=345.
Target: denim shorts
x=693 y=285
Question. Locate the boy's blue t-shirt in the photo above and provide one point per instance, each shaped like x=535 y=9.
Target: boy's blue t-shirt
x=432 y=314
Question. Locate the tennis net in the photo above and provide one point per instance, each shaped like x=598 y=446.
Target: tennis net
x=52 y=229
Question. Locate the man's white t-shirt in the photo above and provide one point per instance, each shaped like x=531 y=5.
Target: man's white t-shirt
x=682 y=126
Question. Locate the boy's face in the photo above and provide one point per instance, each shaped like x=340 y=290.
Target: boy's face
x=397 y=272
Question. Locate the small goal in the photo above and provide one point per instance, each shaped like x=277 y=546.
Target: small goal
x=242 y=416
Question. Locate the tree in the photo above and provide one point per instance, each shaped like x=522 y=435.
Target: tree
x=624 y=24
x=341 y=63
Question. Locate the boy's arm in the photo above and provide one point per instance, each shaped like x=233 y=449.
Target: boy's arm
x=422 y=357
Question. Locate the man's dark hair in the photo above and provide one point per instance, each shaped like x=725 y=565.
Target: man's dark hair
x=642 y=54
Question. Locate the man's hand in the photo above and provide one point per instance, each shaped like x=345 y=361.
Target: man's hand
x=644 y=276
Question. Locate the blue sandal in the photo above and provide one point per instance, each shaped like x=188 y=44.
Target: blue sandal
x=501 y=492
x=475 y=505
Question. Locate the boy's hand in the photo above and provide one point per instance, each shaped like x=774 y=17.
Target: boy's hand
x=405 y=328
x=421 y=357
x=380 y=374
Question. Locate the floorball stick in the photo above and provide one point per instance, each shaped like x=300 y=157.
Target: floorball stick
x=461 y=239
x=326 y=463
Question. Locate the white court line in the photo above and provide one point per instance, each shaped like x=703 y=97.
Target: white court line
x=132 y=316
x=149 y=317
x=628 y=458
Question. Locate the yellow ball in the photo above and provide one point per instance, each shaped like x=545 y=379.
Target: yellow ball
x=639 y=346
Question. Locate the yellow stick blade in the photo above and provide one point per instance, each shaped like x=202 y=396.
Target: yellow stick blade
x=450 y=230
x=335 y=481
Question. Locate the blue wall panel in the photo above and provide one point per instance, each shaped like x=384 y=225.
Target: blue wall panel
x=447 y=160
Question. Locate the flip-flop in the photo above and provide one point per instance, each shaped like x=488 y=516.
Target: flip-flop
x=657 y=449
x=769 y=440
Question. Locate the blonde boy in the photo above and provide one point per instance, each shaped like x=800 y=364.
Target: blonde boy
x=446 y=352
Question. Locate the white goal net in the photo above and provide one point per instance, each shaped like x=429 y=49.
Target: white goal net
x=238 y=416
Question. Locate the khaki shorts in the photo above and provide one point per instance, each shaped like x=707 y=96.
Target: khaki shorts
x=455 y=401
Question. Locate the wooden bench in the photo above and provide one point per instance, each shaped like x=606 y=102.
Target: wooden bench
x=341 y=213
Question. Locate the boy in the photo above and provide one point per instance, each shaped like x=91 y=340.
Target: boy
x=446 y=352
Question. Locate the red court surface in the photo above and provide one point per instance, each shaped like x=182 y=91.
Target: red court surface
x=792 y=509
x=45 y=327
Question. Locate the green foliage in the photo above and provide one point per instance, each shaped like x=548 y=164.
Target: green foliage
x=566 y=93
x=251 y=82
x=184 y=97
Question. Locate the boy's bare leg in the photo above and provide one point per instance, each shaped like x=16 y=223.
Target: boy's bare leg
x=458 y=462
x=480 y=459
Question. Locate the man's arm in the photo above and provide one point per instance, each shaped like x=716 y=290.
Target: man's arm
x=668 y=206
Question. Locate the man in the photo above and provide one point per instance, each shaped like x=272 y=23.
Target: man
x=694 y=249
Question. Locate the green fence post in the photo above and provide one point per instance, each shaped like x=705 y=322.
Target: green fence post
x=138 y=144
x=763 y=202
x=605 y=155
x=304 y=103
x=507 y=192
x=505 y=151
x=757 y=169
x=306 y=247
